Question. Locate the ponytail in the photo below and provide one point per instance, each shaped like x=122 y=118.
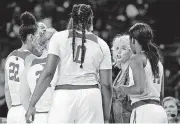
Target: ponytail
x=154 y=57
x=144 y=35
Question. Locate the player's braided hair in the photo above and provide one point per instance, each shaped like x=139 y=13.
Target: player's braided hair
x=80 y=16
x=28 y=25
x=144 y=35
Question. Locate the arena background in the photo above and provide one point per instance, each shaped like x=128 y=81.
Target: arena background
x=111 y=17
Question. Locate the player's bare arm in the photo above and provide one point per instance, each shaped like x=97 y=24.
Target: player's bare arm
x=24 y=89
x=7 y=92
x=45 y=78
x=137 y=66
x=162 y=89
x=106 y=90
x=43 y=82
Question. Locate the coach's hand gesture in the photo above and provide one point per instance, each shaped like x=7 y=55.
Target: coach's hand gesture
x=30 y=113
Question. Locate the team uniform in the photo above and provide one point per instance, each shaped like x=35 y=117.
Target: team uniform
x=30 y=76
x=14 y=66
x=77 y=98
x=146 y=107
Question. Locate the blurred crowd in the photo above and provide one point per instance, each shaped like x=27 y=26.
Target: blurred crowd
x=111 y=17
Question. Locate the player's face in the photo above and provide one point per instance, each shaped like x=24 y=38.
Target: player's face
x=38 y=42
x=171 y=109
x=45 y=40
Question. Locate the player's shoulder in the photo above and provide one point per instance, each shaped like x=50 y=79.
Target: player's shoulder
x=60 y=36
x=19 y=54
x=38 y=60
x=12 y=54
x=29 y=59
x=100 y=40
x=61 y=33
x=102 y=43
x=138 y=59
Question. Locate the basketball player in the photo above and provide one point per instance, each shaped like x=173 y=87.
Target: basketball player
x=29 y=78
x=14 y=65
x=80 y=56
x=147 y=75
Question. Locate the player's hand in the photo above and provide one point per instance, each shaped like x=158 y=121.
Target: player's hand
x=115 y=89
x=118 y=89
x=30 y=113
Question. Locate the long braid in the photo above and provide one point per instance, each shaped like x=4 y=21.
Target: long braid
x=83 y=48
x=75 y=23
x=83 y=20
x=80 y=15
x=74 y=36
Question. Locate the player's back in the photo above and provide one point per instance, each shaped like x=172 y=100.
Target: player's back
x=14 y=67
x=34 y=71
x=70 y=72
x=152 y=84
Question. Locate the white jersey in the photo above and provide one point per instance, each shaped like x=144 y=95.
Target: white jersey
x=97 y=56
x=34 y=70
x=14 y=66
x=152 y=84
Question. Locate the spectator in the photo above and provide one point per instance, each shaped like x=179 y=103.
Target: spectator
x=121 y=109
x=12 y=27
x=38 y=12
x=3 y=106
x=171 y=105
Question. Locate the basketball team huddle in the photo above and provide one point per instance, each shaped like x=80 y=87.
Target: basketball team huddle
x=66 y=76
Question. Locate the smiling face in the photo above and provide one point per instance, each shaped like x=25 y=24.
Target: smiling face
x=121 y=49
x=171 y=109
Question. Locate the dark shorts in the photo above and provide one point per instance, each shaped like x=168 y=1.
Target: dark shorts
x=3 y=110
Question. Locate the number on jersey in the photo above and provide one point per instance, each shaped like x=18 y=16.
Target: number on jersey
x=78 y=53
x=13 y=71
x=39 y=72
x=157 y=79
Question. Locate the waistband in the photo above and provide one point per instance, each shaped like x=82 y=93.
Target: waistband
x=75 y=87
x=45 y=112
x=15 y=105
x=144 y=102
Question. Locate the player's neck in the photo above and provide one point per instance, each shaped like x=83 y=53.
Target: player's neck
x=139 y=50
x=24 y=47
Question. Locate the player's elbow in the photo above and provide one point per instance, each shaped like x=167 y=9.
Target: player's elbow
x=106 y=85
x=135 y=90
x=141 y=91
x=49 y=73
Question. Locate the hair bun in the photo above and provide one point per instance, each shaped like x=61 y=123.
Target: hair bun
x=27 y=19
